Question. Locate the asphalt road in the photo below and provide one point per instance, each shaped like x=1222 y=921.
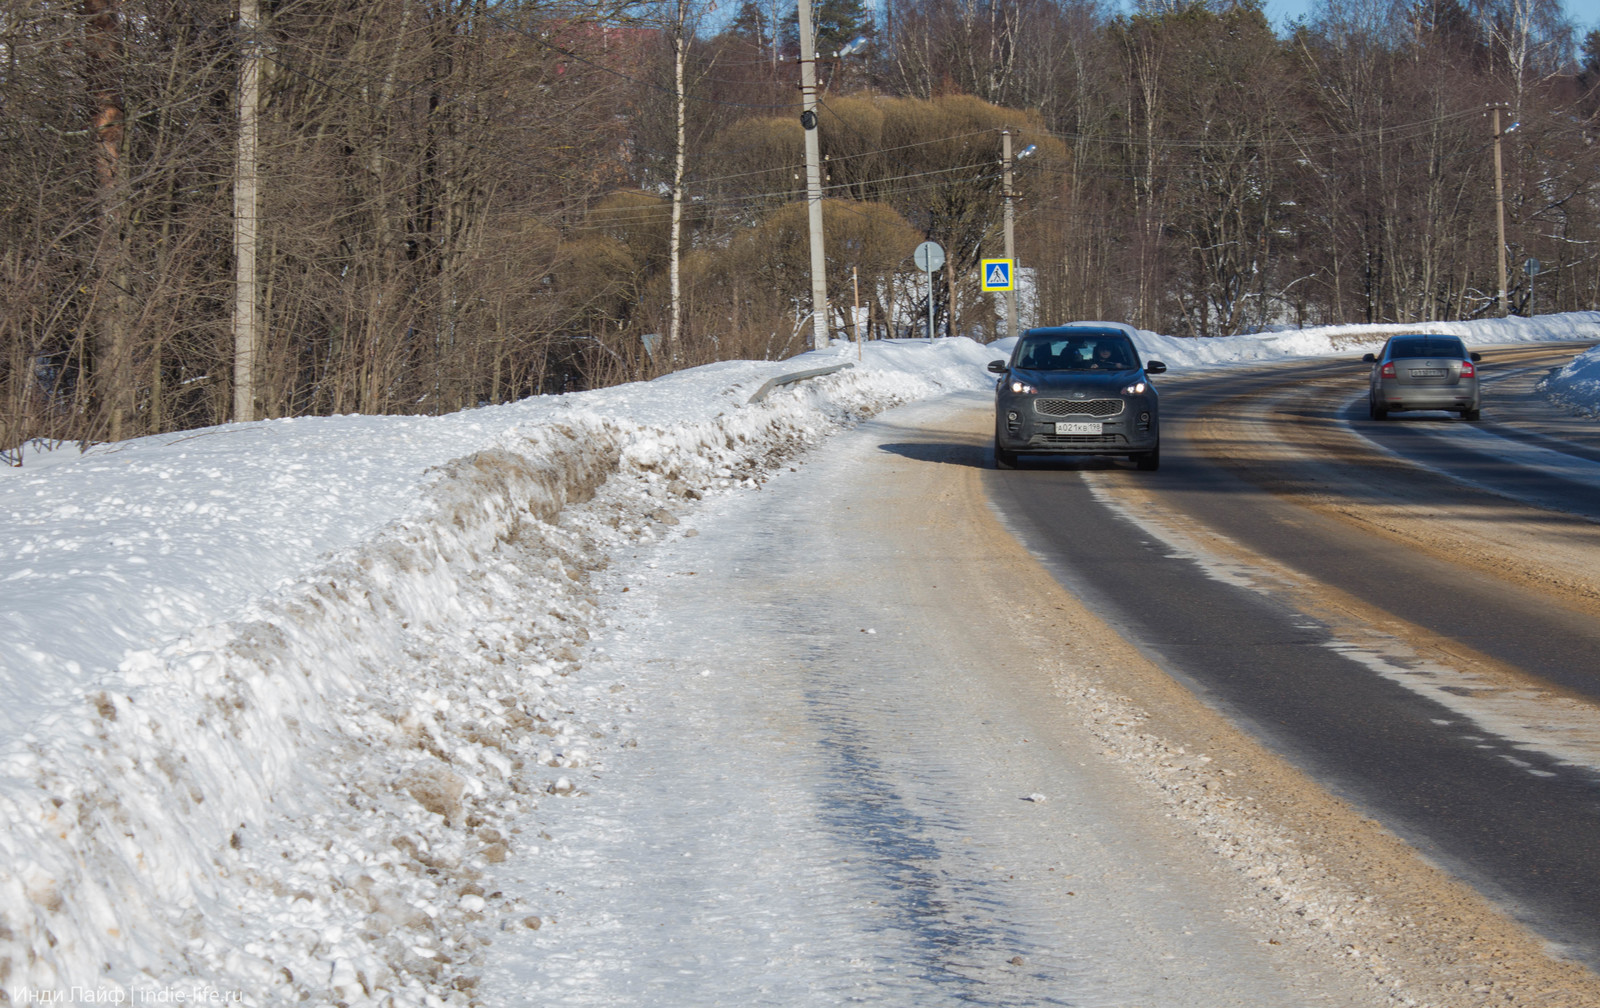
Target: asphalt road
x=1424 y=645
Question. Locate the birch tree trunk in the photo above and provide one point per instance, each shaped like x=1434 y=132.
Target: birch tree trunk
x=246 y=202
x=675 y=250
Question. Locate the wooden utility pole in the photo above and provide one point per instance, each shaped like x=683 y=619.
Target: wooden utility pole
x=1500 y=208
x=246 y=209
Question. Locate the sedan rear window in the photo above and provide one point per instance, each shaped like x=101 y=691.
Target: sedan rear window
x=1428 y=348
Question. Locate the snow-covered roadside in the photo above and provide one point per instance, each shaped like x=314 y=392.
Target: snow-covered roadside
x=274 y=690
x=297 y=796
x=1577 y=385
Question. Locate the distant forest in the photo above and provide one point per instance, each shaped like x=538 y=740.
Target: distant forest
x=263 y=208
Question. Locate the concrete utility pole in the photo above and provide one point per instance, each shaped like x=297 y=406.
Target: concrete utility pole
x=1007 y=163
x=808 y=122
x=1011 y=244
x=246 y=209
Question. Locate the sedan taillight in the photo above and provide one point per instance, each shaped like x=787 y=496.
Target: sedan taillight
x=1468 y=370
x=1387 y=370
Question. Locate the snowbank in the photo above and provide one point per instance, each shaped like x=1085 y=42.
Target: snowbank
x=1361 y=338
x=1578 y=384
x=267 y=710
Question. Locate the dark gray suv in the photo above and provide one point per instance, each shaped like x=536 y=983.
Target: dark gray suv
x=1077 y=389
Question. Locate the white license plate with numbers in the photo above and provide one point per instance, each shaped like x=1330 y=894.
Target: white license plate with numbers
x=1427 y=372
x=1077 y=428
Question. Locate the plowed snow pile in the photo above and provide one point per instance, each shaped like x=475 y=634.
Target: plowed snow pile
x=266 y=705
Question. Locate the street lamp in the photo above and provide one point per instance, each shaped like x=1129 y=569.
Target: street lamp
x=852 y=47
x=1007 y=162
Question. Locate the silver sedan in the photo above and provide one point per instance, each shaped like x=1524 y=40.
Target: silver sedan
x=1419 y=371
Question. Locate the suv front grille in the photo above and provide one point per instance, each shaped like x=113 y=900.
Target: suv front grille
x=1078 y=407
x=1082 y=439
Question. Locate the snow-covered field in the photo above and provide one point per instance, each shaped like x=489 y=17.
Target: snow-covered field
x=275 y=693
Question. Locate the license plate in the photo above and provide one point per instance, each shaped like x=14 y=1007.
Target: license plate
x=1428 y=372
x=1077 y=428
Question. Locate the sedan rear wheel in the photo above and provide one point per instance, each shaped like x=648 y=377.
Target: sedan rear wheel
x=1469 y=414
x=1375 y=411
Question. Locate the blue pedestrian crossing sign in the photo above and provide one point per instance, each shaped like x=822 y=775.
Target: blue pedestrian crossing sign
x=997 y=275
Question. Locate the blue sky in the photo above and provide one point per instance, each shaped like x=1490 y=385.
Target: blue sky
x=1281 y=12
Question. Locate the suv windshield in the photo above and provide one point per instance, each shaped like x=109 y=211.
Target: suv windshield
x=1085 y=352
x=1428 y=348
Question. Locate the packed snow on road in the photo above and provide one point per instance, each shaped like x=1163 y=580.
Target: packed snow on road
x=285 y=701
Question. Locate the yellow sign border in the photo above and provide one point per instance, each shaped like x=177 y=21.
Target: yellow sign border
x=1011 y=274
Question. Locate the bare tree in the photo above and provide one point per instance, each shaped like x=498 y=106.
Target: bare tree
x=113 y=297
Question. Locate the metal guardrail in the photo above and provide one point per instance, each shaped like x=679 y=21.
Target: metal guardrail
x=798 y=376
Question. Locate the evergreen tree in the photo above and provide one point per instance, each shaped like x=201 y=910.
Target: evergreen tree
x=836 y=23
x=752 y=25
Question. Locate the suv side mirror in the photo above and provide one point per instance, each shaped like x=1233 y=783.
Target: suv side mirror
x=999 y=366
x=1369 y=358
x=1154 y=367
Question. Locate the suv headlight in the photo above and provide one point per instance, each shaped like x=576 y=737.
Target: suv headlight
x=1137 y=388
x=1023 y=387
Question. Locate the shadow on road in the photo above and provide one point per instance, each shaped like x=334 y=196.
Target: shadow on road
x=983 y=457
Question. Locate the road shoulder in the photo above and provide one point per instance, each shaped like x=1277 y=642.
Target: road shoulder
x=1325 y=879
